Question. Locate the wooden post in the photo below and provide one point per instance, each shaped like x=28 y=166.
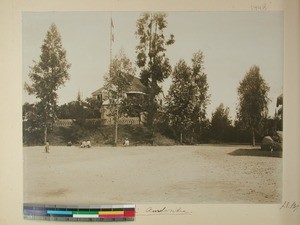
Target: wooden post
x=116 y=126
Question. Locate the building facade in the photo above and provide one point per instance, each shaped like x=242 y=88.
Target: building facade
x=136 y=90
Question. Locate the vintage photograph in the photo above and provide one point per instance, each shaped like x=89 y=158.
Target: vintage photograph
x=152 y=107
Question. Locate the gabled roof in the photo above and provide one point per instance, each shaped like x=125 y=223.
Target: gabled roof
x=98 y=91
x=135 y=86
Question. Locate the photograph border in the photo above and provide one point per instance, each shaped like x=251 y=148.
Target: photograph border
x=11 y=132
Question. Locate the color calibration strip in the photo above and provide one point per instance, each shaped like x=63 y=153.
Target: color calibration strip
x=96 y=213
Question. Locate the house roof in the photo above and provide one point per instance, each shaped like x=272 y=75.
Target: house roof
x=98 y=91
x=135 y=86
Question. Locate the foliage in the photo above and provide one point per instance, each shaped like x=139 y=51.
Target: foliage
x=74 y=110
x=89 y=109
x=132 y=106
x=90 y=129
x=268 y=127
x=279 y=113
x=253 y=100
x=151 y=57
x=117 y=83
x=72 y=134
x=202 y=132
x=187 y=98
x=179 y=105
x=32 y=132
x=221 y=123
x=65 y=111
x=201 y=98
x=93 y=106
x=79 y=111
x=47 y=75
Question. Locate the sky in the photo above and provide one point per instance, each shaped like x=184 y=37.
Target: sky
x=231 y=42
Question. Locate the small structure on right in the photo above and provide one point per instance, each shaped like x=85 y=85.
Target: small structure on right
x=274 y=143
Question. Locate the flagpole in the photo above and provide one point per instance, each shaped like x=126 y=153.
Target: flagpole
x=110 y=69
x=110 y=49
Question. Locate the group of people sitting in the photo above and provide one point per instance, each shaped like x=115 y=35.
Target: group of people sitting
x=86 y=144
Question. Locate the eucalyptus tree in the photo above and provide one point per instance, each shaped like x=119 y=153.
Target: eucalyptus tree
x=152 y=59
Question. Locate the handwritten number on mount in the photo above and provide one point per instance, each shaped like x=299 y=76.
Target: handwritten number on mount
x=290 y=206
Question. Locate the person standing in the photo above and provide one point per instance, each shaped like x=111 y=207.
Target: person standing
x=47 y=147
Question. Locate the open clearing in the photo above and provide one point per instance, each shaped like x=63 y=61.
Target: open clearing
x=164 y=174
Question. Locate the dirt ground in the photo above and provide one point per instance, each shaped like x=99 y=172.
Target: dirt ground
x=173 y=174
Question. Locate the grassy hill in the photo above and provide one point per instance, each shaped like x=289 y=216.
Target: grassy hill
x=104 y=135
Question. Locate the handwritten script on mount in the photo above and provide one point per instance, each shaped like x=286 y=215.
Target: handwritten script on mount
x=163 y=211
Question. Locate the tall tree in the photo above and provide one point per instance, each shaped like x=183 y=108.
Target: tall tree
x=200 y=87
x=47 y=75
x=187 y=98
x=117 y=82
x=151 y=57
x=253 y=100
x=179 y=100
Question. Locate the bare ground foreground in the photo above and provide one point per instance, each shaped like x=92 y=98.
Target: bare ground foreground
x=173 y=174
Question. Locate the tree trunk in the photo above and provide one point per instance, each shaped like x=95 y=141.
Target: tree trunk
x=192 y=138
x=180 y=137
x=153 y=136
x=253 y=137
x=152 y=112
x=116 y=126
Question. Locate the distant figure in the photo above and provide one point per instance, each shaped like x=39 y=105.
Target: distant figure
x=83 y=144
x=47 y=147
x=126 y=142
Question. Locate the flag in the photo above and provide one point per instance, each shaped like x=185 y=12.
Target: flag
x=111 y=27
x=112 y=24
